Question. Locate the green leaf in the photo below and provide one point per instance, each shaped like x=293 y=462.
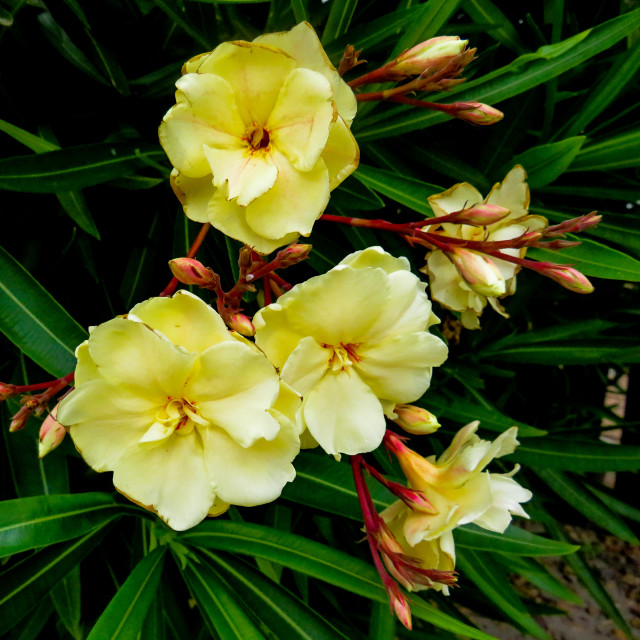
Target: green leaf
x=34 y=321
x=382 y=625
x=124 y=616
x=75 y=205
x=219 y=605
x=29 y=523
x=482 y=571
x=574 y=494
x=576 y=455
x=313 y=559
x=25 y=584
x=617 y=152
x=617 y=506
x=286 y=615
x=35 y=143
x=30 y=628
x=546 y=162
x=485 y=12
x=300 y=10
x=75 y=167
x=355 y=196
x=522 y=74
x=154 y=626
x=176 y=16
x=514 y=541
x=339 y=19
x=66 y=597
x=407 y=191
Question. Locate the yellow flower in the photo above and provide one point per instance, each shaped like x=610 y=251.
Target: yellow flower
x=189 y=418
x=495 y=278
x=259 y=136
x=458 y=488
x=354 y=343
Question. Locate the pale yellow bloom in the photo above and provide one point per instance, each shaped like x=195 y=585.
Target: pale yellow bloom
x=260 y=136
x=189 y=418
x=495 y=280
x=354 y=343
x=458 y=487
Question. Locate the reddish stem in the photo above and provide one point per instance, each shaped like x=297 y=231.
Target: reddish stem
x=266 y=288
x=24 y=388
x=193 y=251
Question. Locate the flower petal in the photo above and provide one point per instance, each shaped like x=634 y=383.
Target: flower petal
x=507 y=496
x=343 y=414
x=194 y=194
x=170 y=478
x=306 y=365
x=86 y=368
x=129 y=353
x=104 y=420
x=249 y=172
x=375 y=257
x=341 y=153
x=274 y=334
x=399 y=369
x=512 y=193
x=231 y=218
x=456 y=198
x=185 y=319
x=293 y=204
x=253 y=475
x=256 y=73
x=299 y=122
x=206 y=113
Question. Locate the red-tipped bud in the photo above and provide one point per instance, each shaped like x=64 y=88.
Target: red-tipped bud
x=415 y=420
x=190 y=271
x=19 y=420
x=242 y=324
x=476 y=113
x=569 y=278
x=478 y=271
x=7 y=391
x=399 y=605
x=575 y=225
x=52 y=433
x=431 y=55
x=292 y=255
x=481 y=215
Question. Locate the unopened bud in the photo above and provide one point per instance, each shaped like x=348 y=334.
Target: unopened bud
x=241 y=323
x=293 y=254
x=478 y=271
x=476 y=113
x=7 y=391
x=190 y=271
x=415 y=420
x=482 y=215
x=569 y=278
x=432 y=54
x=52 y=433
x=400 y=606
x=19 y=420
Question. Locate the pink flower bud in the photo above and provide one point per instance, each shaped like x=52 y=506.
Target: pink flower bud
x=478 y=271
x=415 y=420
x=292 y=255
x=430 y=55
x=52 y=433
x=241 y=323
x=190 y=271
x=400 y=606
x=7 y=391
x=481 y=215
x=476 y=113
x=569 y=278
x=19 y=420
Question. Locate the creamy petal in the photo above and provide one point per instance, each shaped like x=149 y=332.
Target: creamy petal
x=274 y=334
x=129 y=353
x=512 y=193
x=256 y=73
x=299 y=122
x=507 y=496
x=343 y=414
x=248 y=172
x=306 y=365
x=460 y=196
x=185 y=319
x=86 y=368
x=341 y=153
x=170 y=478
x=293 y=204
x=375 y=257
x=194 y=195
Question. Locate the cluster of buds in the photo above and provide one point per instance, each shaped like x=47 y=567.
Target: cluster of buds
x=253 y=267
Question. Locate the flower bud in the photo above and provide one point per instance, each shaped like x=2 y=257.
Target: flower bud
x=481 y=215
x=7 y=391
x=19 y=420
x=476 y=113
x=569 y=278
x=241 y=323
x=52 y=433
x=415 y=420
x=478 y=271
x=190 y=271
x=400 y=606
x=293 y=254
x=431 y=54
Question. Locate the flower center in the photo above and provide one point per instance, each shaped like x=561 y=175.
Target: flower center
x=178 y=416
x=343 y=355
x=258 y=137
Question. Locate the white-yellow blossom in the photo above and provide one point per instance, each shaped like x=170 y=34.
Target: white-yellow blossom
x=495 y=280
x=189 y=418
x=354 y=342
x=260 y=136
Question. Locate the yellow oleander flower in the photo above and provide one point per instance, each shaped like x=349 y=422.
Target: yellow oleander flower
x=487 y=278
x=354 y=343
x=189 y=418
x=459 y=489
x=260 y=136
